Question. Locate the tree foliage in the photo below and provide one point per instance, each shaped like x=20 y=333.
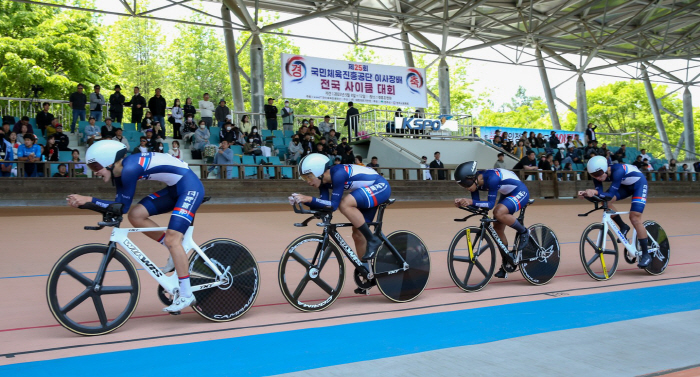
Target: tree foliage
x=523 y=111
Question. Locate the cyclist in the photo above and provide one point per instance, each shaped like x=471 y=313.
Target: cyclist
x=184 y=194
x=514 y=196
x=367 y=190
x=627 y=181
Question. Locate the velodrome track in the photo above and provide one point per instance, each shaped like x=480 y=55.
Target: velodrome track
x=633 y=324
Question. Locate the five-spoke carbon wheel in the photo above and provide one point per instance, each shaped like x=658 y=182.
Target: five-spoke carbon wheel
x=88 y=307
x=600 y=263
x=540 y=256
x=393 y=281
x=311 y=279
x=472 y=272
x=660 y=248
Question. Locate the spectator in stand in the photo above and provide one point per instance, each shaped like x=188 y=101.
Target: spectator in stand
x=15 y=142
x=201 y=136
x=50 y=150
x=175 y=149
x=178 y=119
x=608 y=157
x=572 y=156
x=646 y=165
x=189 y=128
x=251 y=148
x=569 y=142
x=333 y=150
x=294 y=150
x=116 y=104
x=308 y=145
x=569 y=176
x=373 y=163
x=77 y=102
x=6 y=154
x=603 y=149
x=158 y=132
x=51 y=127
x=324 y=127
x=79 y=167
x=228 y=133
x=44 y=118
x=321 y=149
x=672 y=166
x=271 y=114
x=62 y=171
x=189 y=108
x=620 y=154
x=92 y=133
x=107 y=131
x=590 y=149
x=24 y=130
x=520 y=151
x=97 y=103
x=500 y=162
x=29 y=153
x=255 y=135
x=315 y=137
x=437 y=164
x=424 y=166
x=137 y=103
x=24 y=121
x=287 y=117
x=150 y=140
x=643 y=153
x=224 y=156
x=577 y=142
x=332 y=138
x=532 y=139
x=157 y=105
x=118 y=136
x=342 y=146
x=508 y=146
x=239 y=137
x=497 y=133
x=497 y=142
x=245 y=125
x=539 y=141
x=349 y=157
x=553 y=142
x=528 y=163
x=352 y=117
x=147 y=122
x=590 y=132
x=358 y=160
x=337 y=161
x=206 y=110
x=313 y=126
x=639 y=164
x=62 y=139
x=221 y=112
x=557 y=167
x=160 y=147
x=143 y=146
x=6 y=129
x=303 y=130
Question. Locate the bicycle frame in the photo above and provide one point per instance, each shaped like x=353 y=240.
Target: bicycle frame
x=632 y=252
x=120 y=236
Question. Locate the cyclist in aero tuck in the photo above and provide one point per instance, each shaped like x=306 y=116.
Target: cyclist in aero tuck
x=627 y=181
x=367 y=189
x=514 y=196
x=183 y=196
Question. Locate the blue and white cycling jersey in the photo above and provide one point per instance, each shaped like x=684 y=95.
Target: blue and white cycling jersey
x=627 y=181
x=514 y=192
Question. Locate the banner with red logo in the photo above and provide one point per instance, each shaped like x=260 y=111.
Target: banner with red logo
x=320 y=79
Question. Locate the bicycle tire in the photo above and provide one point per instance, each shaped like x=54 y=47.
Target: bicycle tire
x=542 y=270
x=296 y=270
x=598 y=273
x=402 y=286
x=660 y=258
x=62 y=269
x=234 y=298
x=487 y=252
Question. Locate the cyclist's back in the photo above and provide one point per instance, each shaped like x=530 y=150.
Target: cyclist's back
x=504 y=182
x=620 y=175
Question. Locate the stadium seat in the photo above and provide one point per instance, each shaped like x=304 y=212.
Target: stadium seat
x=214 y=135
x=32 y=122
x=166 y=147
x=81 y=126
x=53 y=169
x=234 y=170
x=279 y=144
x=278 y=134
x=249 y=171
x=266 y=133
x=129 y=127
x=288 y=133
x=237 y=149
x=65 y=156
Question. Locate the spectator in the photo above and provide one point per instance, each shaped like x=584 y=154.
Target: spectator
x=608 y=157
x=527 y=163
x=160 y=147
x=324 y=127
x=500 y=162
x=358 y=160
x=312 y=126
x=271 y=114
x=137 y=103
x=143 y=146
x=29 y=153
x=620 y=154
x=62 y=139
x=643 y=153
x=51 y=128
x=519 y=151
x=672 y=166
x=175 y=150
x=532 y=139
x=227 y=133
x=352 y=117
x=44 y=118
x=116 y=104
x=646 y=165
x=569 y=142
x=251 y=148
x=337 y=161
x=590 y=132
x=349 y=157
x=294 y=150
x=569 y=176
x=97 y=103
x=201 y=136
x=639 y=164
x=572 y=156
x=545 y=164
x=315 y=137
x=158 y=132
x=508 y=146
x=118 y=132
x=497 y=141
x=189 y=108
x=539 y=141
x=577 y=142
x=373 y=163
x=77 y=102
x=320 y=148
x=591 y=149
x=107 y=131
x=6 y=154
x=498 y=133
x=245 y=125
x=62 y=171
x=332 y=138
x=189 y=128
x=6 y=129
x=50 y=150
x=24 y=130
x=15 y=142
x=255 y=135
x=333 y=150
x=553 y=142
x=221 y=112
x=147 y=122
x=157 y=107
x=79 y=167
x=224 y=156
x=603 y=149
x=437 y=164
x=557 y=167
x=287 y=117
x=178 y=119
x=24 y=121
x=424 y=166
x=342 y=146
x=308 y=146
x=206 y=109
x=92 y=133
x=150 y=140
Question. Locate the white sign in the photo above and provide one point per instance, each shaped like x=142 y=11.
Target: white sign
x=425 y=124
x=320 y=79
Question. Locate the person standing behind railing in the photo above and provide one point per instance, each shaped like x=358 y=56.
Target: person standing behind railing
x=351 y=119
x=116 y=104
x=271 y=114
x=44 y=118
x=137 y=103
x=97 y=103
x=287 y=117
x=178 y=116
x=206 y=110
x=77 y=102
x=157 y=107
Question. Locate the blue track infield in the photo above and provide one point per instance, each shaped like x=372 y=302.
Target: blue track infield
x=290 y=351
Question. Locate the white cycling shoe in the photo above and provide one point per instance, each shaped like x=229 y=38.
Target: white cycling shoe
x=169 y=267
x=180 y=303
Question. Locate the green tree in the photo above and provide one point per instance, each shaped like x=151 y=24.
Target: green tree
x=521 y=99
x=535 y=115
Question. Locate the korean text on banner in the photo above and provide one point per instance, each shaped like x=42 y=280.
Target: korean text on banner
x=514 y=134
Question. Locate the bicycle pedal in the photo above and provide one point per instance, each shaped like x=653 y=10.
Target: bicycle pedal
x=362 y=291
x=175 y=313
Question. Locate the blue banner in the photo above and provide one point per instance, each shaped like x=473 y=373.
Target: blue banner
x=514 y=134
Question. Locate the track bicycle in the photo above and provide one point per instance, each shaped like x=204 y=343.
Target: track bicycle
x=400 y=268
x=600 y=259
x=471 y=257
x=224 y=275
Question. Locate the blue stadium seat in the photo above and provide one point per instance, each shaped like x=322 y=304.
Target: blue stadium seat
x=166 y=147
x=278 y=134
x=32 y=122
x=279 y=144
x=237 y=150
x=53 y=170
x=266 y=133
x=81 y=126
x=234 y=169
x=65 y=156
x=249 y=170
x=288 y=133
x=129 y=127
x=214 y=135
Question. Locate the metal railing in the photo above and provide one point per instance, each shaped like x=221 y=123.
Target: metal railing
x=374 y=122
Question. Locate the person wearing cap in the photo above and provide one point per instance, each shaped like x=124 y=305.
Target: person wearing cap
x=29 y=153
x=62 y=139
x=119 y=136
x=77 y=102
x=107 y=131
x=92 y=133
x=116 y=104
x=97 y=103
x=137 y=103
x=287 y=117
x=206 y=110
x=271 y=114
x=221 y=112
x=157 y=107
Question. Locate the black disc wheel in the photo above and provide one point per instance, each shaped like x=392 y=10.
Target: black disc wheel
x=540 y=257
x=86 y=306
x=599 y=253
x=471 y=271
x=164 y=297
x=394 y=281
x=659 y=248
x=240 y=277
x=310 y=278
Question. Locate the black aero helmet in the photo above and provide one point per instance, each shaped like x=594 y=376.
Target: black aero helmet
x=466 y=173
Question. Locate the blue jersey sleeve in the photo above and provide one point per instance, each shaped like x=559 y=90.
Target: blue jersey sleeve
x=338 y=178
x=126 y=186
x=490 y=184
x=617 y=174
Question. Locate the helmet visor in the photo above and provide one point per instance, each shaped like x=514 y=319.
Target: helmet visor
x=308 y=177
x=95 y=166
x=597 y=173
x=467 y=182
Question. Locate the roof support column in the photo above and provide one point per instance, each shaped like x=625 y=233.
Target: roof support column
x=688 y=122
x=581 y=105
x=547 y=91
x=236 y=90
x=408 y=55
x=257 y=80
x=657 y=115
x=444 y=86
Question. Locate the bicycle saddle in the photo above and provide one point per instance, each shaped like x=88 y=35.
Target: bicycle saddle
x=390 y=201
x=206 y=199
x=530 y=201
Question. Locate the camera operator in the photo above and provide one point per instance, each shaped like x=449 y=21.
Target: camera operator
x=44 y=118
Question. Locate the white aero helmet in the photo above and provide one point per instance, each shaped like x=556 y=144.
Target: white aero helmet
x=315 y=164
x=104 y=153
x=597 y=166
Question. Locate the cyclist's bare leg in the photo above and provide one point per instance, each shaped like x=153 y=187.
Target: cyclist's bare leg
x=360 y=242
x=500 y=229
x=173 y=241
x=638 y=223
x=139 y=218
x=348 y=207
x=617 y=218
